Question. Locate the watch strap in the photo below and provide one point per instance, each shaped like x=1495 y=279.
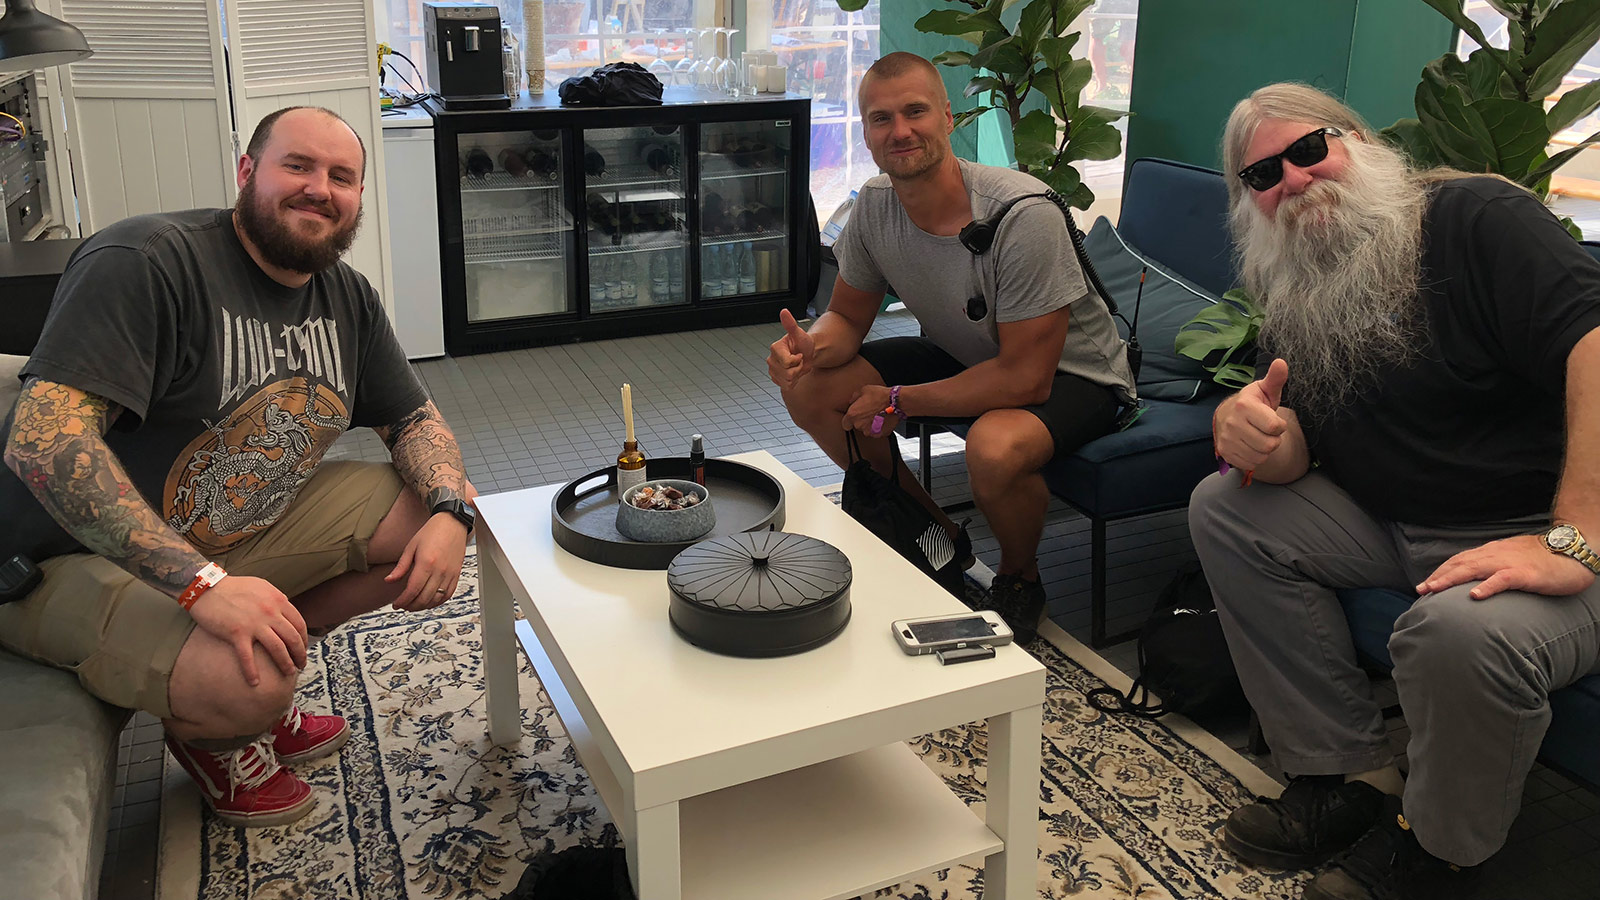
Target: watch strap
x=459 y=509
x=1580 y=549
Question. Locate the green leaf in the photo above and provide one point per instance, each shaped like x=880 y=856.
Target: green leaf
x=1093 y=140
x=1555 y=162
x=981 y=83
x=1519 y=133
x=1063 y=178
x=1063 y=86
x=1410 y=138
x=1559 y=41
x=1455 y=128
x=1057 y=51
x=1098 y=114
x=967 y=115
x=1080 y=198
x=1233 y=375
x=1033 y=24
x=955 y=23
x=1448 y=70
x=1034 y=139
x=1573 y=105
x=1451 y=9
x=1572 y=228
x=1004 y=56
x=853 y=5
x=1484 y=77
x=1068 y=10
x=952 y=58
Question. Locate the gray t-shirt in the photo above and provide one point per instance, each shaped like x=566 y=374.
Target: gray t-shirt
x=232 y=385
x=1030 y=270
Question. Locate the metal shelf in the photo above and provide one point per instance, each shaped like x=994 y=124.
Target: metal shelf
x=722 y=172
x=636 y=175
x=709 y=240
x=658 y=240
x=506 y=248
x=504 y=181
x=492 y=227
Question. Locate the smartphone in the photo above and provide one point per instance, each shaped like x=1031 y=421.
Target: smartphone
x=933 y=633
x=18 y=577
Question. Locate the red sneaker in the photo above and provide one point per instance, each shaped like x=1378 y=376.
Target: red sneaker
x=246 y=786
x=298 y=737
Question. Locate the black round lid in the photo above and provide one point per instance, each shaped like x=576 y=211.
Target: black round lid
x=759 y=572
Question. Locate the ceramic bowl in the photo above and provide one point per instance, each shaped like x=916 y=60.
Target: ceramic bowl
x=664 y=525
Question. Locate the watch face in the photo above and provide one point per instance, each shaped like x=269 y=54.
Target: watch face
x=1561 y=537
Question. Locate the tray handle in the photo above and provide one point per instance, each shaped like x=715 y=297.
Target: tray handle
x=606 y=479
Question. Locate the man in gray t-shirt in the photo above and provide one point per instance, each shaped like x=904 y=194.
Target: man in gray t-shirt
x=1016 y=342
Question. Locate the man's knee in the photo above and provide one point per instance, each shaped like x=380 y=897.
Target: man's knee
x=1454 y=640
x=210 y=696
x=1000 y=448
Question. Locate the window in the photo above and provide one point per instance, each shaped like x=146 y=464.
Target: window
x=1108 y=28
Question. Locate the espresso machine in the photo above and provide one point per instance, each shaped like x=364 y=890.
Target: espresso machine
x=464 y=54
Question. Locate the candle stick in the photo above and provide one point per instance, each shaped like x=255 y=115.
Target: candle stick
x=627 y=409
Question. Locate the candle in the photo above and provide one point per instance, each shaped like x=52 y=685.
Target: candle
x=627 y=409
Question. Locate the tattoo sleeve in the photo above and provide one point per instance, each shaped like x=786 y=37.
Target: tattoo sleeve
x=57 y=447
x=425 y=453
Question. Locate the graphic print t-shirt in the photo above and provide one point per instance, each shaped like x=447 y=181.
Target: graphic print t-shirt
x=232 y=385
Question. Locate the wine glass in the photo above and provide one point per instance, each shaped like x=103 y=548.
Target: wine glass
x=683 y=72
x=660 y=67
x=707 y=78
x=728 y=67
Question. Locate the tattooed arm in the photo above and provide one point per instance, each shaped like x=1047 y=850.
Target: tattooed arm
x=425 y=453
x=57 y=447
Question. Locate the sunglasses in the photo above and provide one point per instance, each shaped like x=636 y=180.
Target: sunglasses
x=1262 y=174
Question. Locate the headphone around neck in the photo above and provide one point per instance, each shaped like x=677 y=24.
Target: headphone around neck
x=978 y=235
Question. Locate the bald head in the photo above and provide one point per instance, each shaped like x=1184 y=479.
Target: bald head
x=904 y=65
x=262 y=136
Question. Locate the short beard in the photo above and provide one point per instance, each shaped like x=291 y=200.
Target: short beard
x=1336 y=272
x=278 y=243
x=933 y=156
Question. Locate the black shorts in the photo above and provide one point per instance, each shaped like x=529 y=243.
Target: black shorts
x=1077 y=411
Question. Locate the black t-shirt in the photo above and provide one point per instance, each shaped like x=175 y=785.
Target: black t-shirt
x=1473 y=431
x=232 y=385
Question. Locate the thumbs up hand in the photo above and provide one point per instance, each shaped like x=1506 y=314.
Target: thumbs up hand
x=1250 y=428
x=791 y=355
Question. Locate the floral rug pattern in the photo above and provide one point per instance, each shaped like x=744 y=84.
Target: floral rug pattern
x=419 y=805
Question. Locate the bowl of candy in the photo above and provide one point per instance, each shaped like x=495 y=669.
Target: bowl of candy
x=665 y=509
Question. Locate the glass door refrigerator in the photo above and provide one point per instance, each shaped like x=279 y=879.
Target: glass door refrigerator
x=560 y=224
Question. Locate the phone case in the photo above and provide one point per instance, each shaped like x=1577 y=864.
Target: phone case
x=1002 y=633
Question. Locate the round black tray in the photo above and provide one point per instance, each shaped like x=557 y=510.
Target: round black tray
x=583 y=515
x=759 y=594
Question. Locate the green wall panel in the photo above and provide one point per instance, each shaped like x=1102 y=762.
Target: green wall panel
x=1394 y=39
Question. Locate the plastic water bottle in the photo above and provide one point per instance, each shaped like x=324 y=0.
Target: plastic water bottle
x=835 y=225
x=729 y=270
x=712 y=274
x=613 y=282
x=597 y=283
x=675 y=277
x=659 y=268
x=747 y=269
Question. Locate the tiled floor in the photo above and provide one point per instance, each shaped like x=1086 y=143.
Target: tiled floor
x=543 y=415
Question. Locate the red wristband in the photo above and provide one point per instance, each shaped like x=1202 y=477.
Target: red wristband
x=204 y=581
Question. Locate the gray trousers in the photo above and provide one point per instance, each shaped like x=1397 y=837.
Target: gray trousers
x=1473 y=676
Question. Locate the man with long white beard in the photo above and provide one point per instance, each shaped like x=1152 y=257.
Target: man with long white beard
x=1429 y=421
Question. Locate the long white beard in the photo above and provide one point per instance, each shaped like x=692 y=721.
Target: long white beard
x=1336 y=271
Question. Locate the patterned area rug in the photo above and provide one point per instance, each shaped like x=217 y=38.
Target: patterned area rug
x=420 y=806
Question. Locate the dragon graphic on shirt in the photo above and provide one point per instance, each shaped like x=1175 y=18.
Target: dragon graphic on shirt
x=240 y=474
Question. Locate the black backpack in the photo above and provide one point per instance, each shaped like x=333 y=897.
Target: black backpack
x=1183 y=658
x=576 y=873
x=898 y=519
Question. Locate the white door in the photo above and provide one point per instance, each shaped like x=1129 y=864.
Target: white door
x=147 y=114
x=316 y=53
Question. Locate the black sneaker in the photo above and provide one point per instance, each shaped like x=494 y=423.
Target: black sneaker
x=1387 y=864
x=1315 y=818
x=1019 y=602
x=964 y=555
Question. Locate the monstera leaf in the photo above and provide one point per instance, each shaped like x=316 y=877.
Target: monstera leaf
x=1219 y=334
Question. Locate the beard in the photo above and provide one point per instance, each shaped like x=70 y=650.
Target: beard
x=906 y=168
x=267 y=227
x=1336 y=272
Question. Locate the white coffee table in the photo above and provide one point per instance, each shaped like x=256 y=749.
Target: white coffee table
x=771 y=778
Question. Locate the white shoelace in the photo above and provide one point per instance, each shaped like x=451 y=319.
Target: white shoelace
x=250 y=767
x=293 y=719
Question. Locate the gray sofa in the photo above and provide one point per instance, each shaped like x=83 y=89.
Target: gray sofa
x=58 y=752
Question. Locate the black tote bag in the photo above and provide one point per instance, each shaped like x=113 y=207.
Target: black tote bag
x=898 y=519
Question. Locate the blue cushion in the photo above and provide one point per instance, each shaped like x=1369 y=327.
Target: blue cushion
x=1164 y=305
x=1575 y=710
x=1178 y=213
x=1150 y=467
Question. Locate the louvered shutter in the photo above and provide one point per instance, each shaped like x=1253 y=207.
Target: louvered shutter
x=147 y=114
x=316 y=53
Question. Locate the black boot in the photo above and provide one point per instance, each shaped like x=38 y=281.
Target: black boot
x=1388 y=864
x=1019 y=602
x=1315 y=818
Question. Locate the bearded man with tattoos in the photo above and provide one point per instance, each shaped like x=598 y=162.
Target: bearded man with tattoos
x=166 y=470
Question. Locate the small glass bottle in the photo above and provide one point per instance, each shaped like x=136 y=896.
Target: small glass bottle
x=697 y=459
x=630 y=467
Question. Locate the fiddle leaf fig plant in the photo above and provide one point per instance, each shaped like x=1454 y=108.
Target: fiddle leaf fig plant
x=1486 y=113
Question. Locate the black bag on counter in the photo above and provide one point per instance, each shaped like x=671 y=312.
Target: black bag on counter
x=898 y=519
x=1183 y=658
x=613 y=84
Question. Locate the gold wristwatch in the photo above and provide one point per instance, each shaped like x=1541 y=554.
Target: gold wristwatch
x=1566 y=540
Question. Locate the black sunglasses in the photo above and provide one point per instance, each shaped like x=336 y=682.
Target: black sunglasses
x=1262 y=174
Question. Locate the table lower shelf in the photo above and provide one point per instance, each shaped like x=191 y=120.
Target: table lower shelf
x=831 y=831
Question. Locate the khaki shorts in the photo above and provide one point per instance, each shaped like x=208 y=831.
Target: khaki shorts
x=122 y=636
